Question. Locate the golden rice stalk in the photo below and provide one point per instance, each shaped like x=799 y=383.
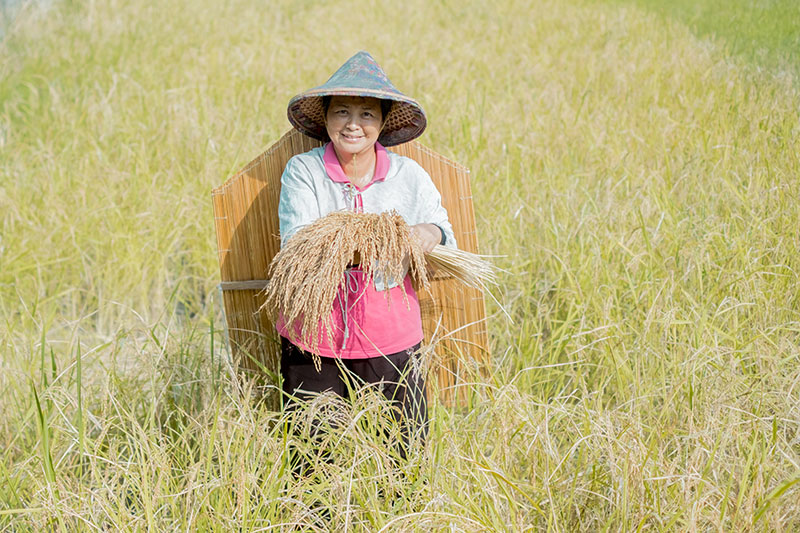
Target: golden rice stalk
x=468 y=268
x=308 y=271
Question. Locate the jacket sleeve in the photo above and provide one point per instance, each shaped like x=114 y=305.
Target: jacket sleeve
x=433 y=210
x=298 y=205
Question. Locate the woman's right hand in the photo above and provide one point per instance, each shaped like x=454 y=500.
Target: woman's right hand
x=428 y=235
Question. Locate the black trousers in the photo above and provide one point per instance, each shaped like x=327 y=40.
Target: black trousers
x=398 y=376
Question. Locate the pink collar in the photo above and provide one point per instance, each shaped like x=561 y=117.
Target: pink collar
x=336 y=173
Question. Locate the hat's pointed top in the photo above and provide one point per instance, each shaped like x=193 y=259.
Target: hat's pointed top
x=359 y=76
x=361 y=71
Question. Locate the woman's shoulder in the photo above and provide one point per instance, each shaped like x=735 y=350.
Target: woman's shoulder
x=307 y=163
x=401 y=164
x=312 y=156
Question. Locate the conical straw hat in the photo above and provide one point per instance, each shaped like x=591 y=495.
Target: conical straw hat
x=359 y=76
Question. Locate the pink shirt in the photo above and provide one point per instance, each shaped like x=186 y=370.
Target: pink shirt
x=366 y=322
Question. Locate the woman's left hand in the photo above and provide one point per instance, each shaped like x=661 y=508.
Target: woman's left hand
x=428 y=235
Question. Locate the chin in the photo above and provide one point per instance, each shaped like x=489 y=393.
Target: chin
x=353 y=148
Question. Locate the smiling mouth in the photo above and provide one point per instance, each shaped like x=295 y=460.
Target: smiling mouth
x=352 y=137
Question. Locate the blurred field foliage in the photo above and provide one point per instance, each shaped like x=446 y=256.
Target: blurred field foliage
x=635 y=165
x=764 y=32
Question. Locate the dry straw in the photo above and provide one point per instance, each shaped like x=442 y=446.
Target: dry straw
x=468 y=268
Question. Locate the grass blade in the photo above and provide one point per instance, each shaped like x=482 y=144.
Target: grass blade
x=44 y=431
x=79 y=392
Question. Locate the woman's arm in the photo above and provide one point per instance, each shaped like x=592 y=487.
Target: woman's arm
x=298 y=205
x=436 y=226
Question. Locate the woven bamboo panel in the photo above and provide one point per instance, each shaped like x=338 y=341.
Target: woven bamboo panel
x=246 y=221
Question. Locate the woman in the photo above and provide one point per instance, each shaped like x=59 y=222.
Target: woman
x=359 y=112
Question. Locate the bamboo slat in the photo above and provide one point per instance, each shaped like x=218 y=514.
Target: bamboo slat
x=246 y=223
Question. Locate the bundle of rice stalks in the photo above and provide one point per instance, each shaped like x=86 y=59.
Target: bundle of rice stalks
x=468 y=268
x=306 y=274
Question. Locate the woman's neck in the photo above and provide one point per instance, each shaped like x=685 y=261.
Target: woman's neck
x=357 y=166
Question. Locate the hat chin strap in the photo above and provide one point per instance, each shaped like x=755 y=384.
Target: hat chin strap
x=385 y=121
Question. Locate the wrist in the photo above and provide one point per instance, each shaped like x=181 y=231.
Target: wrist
x=444 y=237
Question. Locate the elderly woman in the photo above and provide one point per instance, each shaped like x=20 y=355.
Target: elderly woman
x=359 y=112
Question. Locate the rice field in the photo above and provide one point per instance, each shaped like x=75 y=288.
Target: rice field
x=636 y=168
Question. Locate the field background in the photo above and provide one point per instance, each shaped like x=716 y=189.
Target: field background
x=635 y=163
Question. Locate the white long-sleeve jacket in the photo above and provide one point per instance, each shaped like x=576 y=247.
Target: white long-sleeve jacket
x=308 y=193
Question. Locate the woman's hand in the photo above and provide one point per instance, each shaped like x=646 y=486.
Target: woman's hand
x=428 y=235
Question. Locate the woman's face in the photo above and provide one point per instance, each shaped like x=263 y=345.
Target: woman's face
x=353 y=123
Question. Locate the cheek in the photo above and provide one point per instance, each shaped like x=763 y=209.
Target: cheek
x=330 y=128
x=331 y=123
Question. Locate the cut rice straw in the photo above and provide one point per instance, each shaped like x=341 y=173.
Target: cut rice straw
x=470 y=269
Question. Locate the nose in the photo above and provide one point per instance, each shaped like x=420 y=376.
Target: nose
x=353 y=123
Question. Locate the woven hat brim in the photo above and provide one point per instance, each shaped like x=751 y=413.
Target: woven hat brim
x=406 y=120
